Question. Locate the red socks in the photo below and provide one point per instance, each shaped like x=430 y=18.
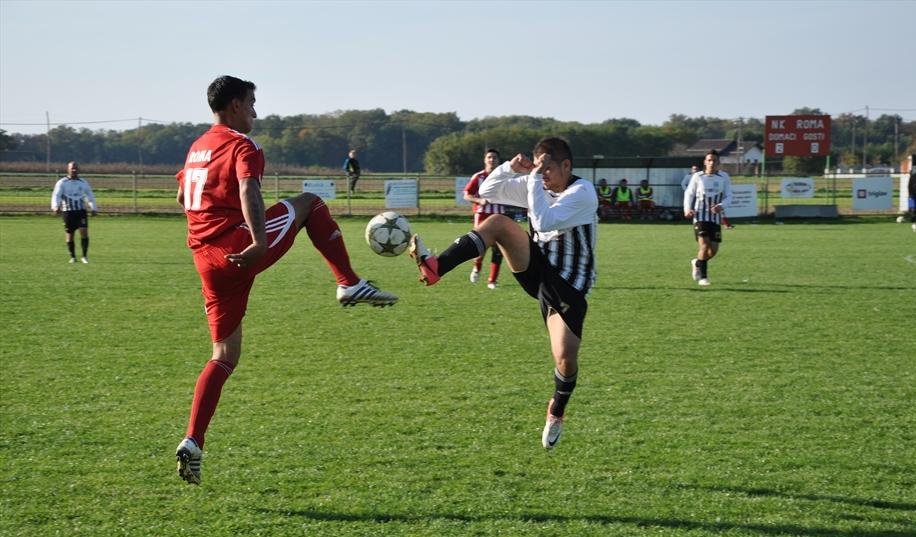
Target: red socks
x=206 y=396
x=327 y=238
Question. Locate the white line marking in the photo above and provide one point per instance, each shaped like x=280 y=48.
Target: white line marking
x=910 y=259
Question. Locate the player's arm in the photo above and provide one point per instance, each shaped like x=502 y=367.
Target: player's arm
x=90 y=198
x=575 y=207
x=473 y=186
x=690 y=196
x=55 y=197
x=504 y=184
x=726 y=196
x=253 y=212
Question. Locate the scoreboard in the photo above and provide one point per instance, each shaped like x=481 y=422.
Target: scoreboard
x=797 y=136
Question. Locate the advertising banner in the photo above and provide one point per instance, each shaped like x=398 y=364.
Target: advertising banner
x=460 y=183
x=797 y=136
x=401 y=194
x=744 y=201
x=797 y=187
x=869 y=193
x=324 y=189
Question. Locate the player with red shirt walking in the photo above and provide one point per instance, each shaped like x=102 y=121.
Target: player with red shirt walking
x=482 y=210
x=233 y=238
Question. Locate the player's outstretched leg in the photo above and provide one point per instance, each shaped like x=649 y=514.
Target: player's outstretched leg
x=426 y=262
x=363 y=292
x=552 y=429
x=189 y=456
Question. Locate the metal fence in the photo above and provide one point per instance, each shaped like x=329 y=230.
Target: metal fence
x=155 y=194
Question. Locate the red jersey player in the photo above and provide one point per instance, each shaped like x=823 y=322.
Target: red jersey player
x=233 y=238
x=482 y=210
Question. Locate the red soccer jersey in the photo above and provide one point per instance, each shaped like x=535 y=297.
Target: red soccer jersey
x=473 y=187
x=209 y=182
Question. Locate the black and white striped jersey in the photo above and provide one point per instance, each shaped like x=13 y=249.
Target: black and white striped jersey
x=564 y=225
x=705 y=191
x=72 y=195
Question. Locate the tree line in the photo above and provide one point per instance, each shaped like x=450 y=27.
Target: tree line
x=441 y=143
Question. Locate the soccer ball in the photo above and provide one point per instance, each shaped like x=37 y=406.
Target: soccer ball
x=900 y=219
x=388 y=234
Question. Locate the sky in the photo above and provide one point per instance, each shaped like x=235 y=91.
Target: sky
x=103 y=65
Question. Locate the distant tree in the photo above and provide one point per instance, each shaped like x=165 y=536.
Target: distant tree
x=7 y=143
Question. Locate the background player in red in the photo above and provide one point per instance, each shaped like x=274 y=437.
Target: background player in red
x=482 y=210
x=233 y=238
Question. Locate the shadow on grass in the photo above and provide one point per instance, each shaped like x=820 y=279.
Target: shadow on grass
x=763 y=492
x=763 y=529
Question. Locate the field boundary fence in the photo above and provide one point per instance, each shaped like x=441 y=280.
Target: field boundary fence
x=133 y=193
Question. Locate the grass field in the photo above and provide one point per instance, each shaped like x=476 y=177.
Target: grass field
x=779 y=401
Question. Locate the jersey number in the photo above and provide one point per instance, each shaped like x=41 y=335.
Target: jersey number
x=194 y=181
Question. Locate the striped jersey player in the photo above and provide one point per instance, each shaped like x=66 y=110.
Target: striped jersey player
x=554 y=264
x=708 y=194
x=71 y=197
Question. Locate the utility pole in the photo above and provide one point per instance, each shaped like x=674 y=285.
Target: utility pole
x=404 y=146
x=865 y=142
x=740 y=148
x=48 y=142
x=139 y=149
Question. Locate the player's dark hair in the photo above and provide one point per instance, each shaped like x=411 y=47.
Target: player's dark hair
x=225 y=88
x=556 y=147
x=491 y=150
x=714 y=153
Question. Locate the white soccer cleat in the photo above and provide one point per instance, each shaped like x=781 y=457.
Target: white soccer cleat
x=188 y=456
x=72 y=260
x=363 y=292
x=491 y=285
x=84 y=260
x=475 y=276
x=696 y=270
x=552 y=429
x=704 y=282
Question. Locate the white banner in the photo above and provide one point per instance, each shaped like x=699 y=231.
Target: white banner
x=460 y=183
x=872 y=193
x=797 y=187
x=401 y=194
x=323 y=189
x=744 y=201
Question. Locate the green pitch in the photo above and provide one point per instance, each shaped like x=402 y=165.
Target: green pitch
x=779 y=401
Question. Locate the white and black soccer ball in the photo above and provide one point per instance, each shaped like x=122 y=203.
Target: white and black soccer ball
x=900 y=219
x=388 y=234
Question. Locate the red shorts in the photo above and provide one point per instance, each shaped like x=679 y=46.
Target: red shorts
x=226 y=286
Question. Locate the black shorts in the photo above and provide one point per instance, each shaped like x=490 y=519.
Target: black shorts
x=710 y=230
x=74 y=220
x=542 y=281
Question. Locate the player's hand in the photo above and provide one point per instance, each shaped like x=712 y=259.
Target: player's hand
x=541 y=162
x=248 y=256
x=717 y=208
x=688 y=213
x=521 y=164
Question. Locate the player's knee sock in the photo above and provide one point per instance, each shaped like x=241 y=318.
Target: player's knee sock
x=84 y=243
x=478 y=262
x=496 y=259
x=327 y=238
x=464 y=248
x=206 y=396
x=72 y=248
x=563 y=388
x=701 y=265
